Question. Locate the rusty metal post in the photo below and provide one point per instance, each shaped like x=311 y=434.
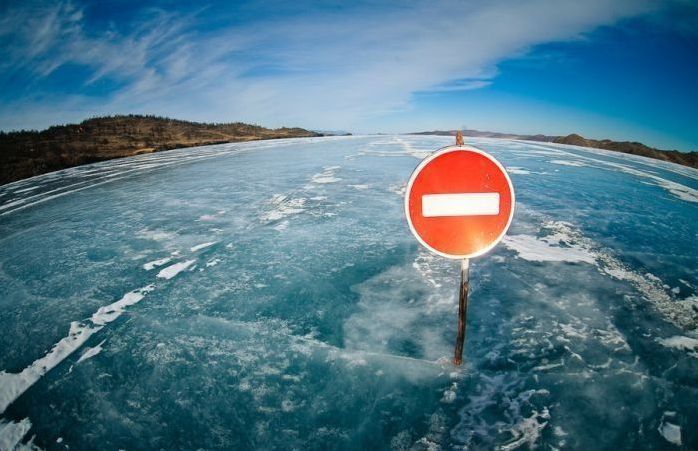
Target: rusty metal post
x=459 y=138
x=463 y=294
x=462 y=310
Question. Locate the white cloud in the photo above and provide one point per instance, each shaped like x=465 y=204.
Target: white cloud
x=323 y=70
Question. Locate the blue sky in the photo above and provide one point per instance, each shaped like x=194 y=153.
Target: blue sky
x=616 y=69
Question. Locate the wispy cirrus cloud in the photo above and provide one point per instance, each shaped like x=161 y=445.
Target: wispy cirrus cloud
x=325 y=69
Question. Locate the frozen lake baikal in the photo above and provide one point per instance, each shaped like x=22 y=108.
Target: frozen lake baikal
x=270 y=295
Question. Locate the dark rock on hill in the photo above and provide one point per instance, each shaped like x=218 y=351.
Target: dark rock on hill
x=27 y=153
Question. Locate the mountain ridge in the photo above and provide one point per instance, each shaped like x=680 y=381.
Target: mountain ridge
x=25 y=153
x=689 y=159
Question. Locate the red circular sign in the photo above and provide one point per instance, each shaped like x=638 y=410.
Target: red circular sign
x=459 y=202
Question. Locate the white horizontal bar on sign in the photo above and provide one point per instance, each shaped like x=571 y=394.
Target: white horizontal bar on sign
x=460 y=204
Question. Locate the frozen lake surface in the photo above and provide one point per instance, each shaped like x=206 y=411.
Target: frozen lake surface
x=270 y=295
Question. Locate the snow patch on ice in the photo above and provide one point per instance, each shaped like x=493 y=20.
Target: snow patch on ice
x=504 y=392
x=682 y=312
x=398 y=189
x=450 y=394
x=549 y=366
x=319 y=178
x=175 y=269
x=559 y=432
x=211 y=217
x=198 y=247
x=91 y=352
x=527 y=431
x=681 y=191
x=564 y=243
x=406 y=148
x=109 y=313
x=155 y=263
x=24 y=190
x=410 y=150
x=423 y=263
x=12 y=385
x=326 y=176
x=577 y=164
x=681 y=342
x=558 y=246
x=12 y=204
x=671 y=432
x=517 y=170
x=282 y=207
x=12 y=433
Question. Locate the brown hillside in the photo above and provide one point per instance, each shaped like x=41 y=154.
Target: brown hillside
x=27 y=153
x=635 y=148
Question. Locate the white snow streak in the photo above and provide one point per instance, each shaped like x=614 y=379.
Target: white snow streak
x=175 y=269
x=151 y=265
x=11 y=433
x=91 y=352
x=12 y=385
x=202 y=246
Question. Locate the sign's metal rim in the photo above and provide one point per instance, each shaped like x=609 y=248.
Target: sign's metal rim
x=426 y=161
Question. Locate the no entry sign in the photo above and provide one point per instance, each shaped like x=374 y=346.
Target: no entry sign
x=459 y=202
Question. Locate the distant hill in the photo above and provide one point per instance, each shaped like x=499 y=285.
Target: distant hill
x=635 y=148
x=480 y=134
x=27 y=153
x=333 y=132
x=685 y=158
